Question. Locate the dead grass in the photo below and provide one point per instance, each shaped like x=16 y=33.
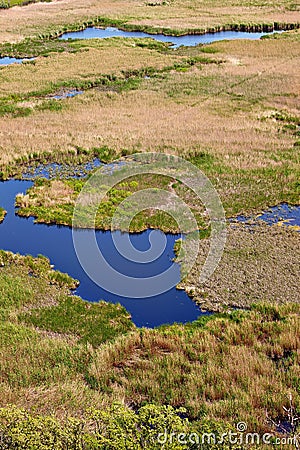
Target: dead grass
x=94 y=58
x=18 y=22
x=215 y=107
x=259 y=264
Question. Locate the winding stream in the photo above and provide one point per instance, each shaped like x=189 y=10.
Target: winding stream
x=189 y=40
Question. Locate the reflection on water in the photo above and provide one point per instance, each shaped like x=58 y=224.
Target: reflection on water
x=189 y=40
x=65 y=94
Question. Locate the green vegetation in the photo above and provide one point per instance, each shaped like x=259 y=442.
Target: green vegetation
x=41 y=46
x=118 y=427
x=53 y=201
x=115 y=428
x=80 y=375
x=158 y=16
x=259 y=263
x=239 y=127
x=77 y=362
x=93 y=323
x=225 y=368
x=5 y=4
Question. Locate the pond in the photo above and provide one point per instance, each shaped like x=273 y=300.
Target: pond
x=22 y=236
x=189 y=40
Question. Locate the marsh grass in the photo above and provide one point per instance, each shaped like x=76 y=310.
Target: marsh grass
x=259 y=263
x=237 y=119
x=221 y=367
x=61 y=356
x=47 y=335
x=234 y=115
x=53 y=201
x=11 y=3
x=92 y=323
x=79 y=61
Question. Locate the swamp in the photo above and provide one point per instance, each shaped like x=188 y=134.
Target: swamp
x=149 y=224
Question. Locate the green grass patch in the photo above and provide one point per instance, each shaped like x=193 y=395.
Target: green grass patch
x=34 y=203
x=220 y=369
x=93 y=323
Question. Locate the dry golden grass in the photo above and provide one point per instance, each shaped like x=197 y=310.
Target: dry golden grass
x=57 y=192
x=93 y=59
x=214 y=107
x=18 y=22
x=146 y=121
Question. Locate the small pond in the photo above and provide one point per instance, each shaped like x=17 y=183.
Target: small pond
x=189 y=40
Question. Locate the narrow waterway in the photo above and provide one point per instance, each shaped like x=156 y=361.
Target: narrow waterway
x=189 y=40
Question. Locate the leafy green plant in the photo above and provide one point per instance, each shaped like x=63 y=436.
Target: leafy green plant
x=4 y=4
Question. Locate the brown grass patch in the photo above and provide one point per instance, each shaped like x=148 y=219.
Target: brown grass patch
x=94 y=59
x=214 y=107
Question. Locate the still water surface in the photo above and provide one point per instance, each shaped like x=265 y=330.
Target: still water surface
x=189 y=40
x=21 y=235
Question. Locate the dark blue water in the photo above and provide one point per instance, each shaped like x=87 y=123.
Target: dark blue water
x=21 y=235
x=189 y=40
x=6 y=60
x=283 y=215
